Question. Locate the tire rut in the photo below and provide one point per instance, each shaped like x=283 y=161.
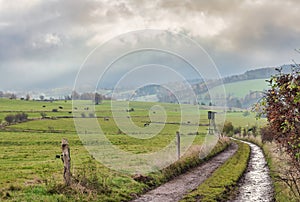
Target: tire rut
x=256 y=184
x=175 y=189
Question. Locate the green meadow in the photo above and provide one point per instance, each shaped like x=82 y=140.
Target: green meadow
x=241 y=88
x=30 y=171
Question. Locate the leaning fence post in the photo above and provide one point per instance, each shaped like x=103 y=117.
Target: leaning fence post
x=178 y=144
x=66 y=160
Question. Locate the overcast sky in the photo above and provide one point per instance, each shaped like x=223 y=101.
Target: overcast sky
x=43 y=43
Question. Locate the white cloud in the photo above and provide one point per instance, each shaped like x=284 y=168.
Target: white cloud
x=53 y=39
x=46 y=41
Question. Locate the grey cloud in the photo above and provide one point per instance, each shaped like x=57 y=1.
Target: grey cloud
x=265 y=26
x=56 y=36
x=212 y=7
x=249 y=24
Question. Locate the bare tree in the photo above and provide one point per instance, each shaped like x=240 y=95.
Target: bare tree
x=98 y=98
x=27 y=97
x=13 y=96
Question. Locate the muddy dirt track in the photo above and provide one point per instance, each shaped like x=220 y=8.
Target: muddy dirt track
x=175 y=189
x=256 y=185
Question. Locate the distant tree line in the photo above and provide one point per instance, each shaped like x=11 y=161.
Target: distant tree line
x=96 y=97
x=231 y=100
x=8 y=95
x=13 y=96
x=229 y=130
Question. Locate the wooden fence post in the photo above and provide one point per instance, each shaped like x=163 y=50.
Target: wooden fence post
x=178 y=144
x=66 y=160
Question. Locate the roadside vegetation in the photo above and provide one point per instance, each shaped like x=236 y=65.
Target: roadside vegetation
x=281 y=105
x=188 y=161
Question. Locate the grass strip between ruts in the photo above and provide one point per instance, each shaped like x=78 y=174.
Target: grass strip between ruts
x=222 y=183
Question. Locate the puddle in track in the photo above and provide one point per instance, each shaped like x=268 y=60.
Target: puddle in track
x=175 y=189
x=256 y=184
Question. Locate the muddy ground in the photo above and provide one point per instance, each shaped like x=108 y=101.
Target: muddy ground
x=256 y=184
x=175 y=189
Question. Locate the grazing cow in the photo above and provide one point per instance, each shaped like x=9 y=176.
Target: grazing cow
x=146 y=124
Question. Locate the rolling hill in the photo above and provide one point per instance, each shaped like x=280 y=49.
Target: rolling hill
x=241 y=88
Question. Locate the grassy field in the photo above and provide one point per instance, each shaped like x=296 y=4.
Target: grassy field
x=34 y=108
x=29 y=170
x=239 y=119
